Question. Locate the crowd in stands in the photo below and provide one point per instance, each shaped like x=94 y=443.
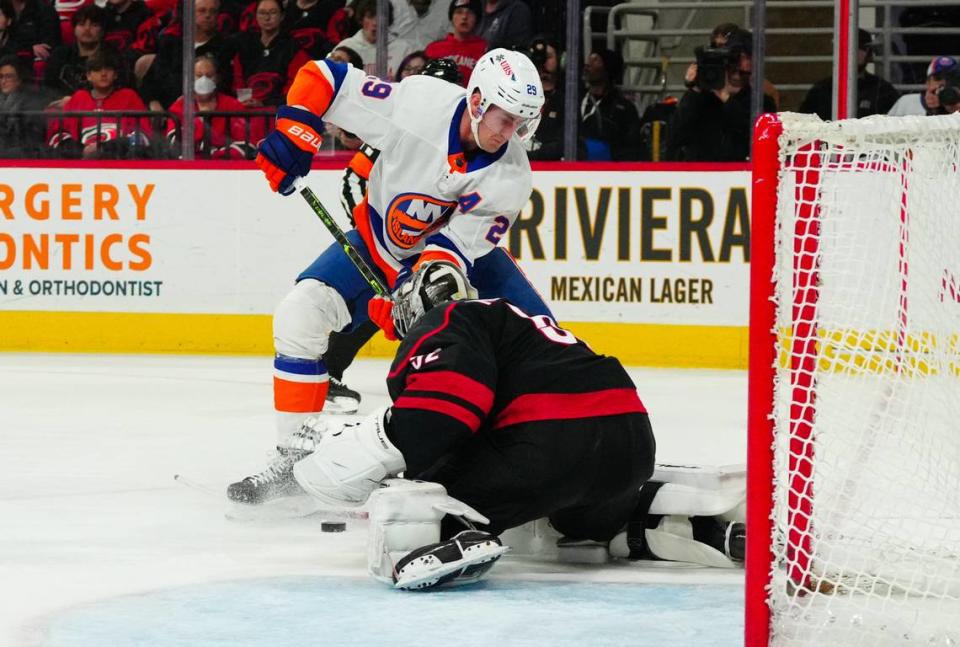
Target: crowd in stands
x=90 y=56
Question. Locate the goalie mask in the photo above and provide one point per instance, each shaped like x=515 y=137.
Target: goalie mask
x=434 y=283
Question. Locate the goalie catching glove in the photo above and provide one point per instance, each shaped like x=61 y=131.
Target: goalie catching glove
x=287 y=152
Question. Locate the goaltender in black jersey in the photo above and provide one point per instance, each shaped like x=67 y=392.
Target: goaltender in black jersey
x=499 y=418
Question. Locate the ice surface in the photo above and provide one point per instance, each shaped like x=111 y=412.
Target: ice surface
x=98 y=544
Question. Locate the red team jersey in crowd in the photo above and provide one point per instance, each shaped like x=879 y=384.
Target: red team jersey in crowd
x=87 y=129
x=228 y=137
x=465 y=53
x=484 y=366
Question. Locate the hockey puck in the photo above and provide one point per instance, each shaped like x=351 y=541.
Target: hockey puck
x=332 y=526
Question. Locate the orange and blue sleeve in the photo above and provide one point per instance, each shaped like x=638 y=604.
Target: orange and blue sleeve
x=316 y=85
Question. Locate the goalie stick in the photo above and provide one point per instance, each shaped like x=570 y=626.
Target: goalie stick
x=368 y=274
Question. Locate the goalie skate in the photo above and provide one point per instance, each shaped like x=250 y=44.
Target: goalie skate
x=462 y=559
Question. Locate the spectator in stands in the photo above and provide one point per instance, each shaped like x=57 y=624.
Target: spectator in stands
x=266 y=62
x=364 y=42
x=106 y=136
x=344 y=139
x=609 y=124
x=712 y=120
x=506 y=23
x=547 y=143
x=20 y=136
x=875 y=96
x=461 y=44
x=66 y=72
x=413 y=63
x=949 y=93
x=36 y=29
x=131 y=27
x=928 y=101
x=223 y=137
x=343 y=23
x=346 y=55
x=161 y=74
x=7 y=17
x=419 y=22
x=306 y=21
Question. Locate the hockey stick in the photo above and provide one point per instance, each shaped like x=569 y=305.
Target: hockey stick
x=372 y=279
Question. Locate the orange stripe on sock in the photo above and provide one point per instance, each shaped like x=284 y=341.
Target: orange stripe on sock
x=299 y=397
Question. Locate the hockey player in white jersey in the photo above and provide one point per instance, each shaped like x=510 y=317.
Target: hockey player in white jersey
x=451 y=179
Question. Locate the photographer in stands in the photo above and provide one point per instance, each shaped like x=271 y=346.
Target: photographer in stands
x=949 y=93
x=547 y=143
x=712 y=120
x=928 y=101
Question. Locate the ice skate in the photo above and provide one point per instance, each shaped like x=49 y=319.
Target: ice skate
x=341 y=399
x=276 y=480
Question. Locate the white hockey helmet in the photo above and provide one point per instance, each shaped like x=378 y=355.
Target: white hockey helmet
x=433 y=283
x=509 y=80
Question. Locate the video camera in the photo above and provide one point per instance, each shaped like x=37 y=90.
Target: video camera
x=949 y=93
x=713 y=63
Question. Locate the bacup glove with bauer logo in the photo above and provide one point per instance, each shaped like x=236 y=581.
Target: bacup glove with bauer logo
x=287 y=152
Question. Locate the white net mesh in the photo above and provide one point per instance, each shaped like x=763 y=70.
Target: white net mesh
x=867 y=414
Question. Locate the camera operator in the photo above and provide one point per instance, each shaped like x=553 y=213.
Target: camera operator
x=712 y=120
x=927 y=102
x=948 y=95
x=609 y=123
x=547 y=143
x=875 y=96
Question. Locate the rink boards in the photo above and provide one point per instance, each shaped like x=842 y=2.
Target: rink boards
x=645 y=262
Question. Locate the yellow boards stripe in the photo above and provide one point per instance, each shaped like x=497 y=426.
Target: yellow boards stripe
x=120 y=332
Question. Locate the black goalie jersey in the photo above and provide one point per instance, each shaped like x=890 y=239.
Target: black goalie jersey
x=478 y=367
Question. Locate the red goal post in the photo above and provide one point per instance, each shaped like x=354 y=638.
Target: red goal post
x=853 y=526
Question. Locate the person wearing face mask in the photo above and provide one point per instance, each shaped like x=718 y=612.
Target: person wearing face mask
x=218 y=137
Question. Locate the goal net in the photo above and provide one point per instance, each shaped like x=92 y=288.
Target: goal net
x=854 y=450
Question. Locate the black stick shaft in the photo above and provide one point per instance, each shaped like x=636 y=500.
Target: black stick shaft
x=372 y=279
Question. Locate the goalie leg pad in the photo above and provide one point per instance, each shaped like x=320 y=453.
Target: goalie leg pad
x=404 y=518
x=462 y=559
x=700 y=490
x=347 y=466
x=673 y=539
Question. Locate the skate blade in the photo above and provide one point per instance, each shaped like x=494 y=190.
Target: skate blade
x=341 y=406
x=434 y=578
x=290 y=507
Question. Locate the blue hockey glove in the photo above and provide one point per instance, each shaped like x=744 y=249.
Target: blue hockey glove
x=287 y=152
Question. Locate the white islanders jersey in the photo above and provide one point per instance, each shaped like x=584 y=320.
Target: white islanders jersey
x=424 y=199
